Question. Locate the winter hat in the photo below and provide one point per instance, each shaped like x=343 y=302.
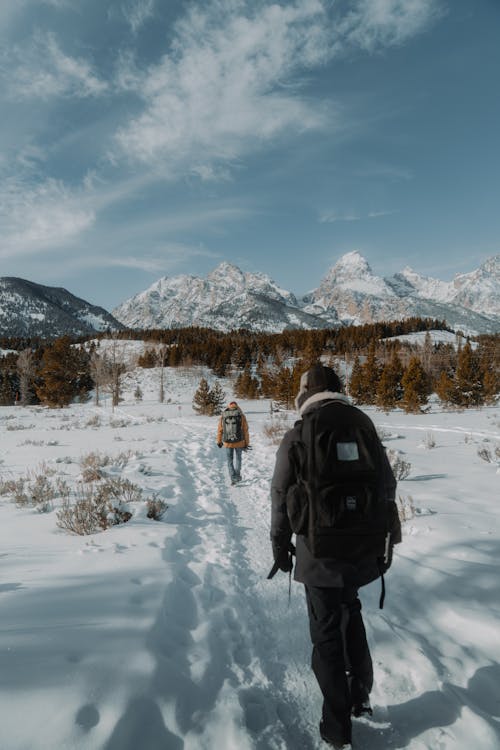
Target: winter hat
x=232 y=405
x=317 y=380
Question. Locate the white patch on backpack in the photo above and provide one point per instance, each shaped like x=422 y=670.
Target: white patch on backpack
x=347 y=451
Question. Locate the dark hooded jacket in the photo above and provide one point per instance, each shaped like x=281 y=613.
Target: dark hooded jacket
x=325 y=571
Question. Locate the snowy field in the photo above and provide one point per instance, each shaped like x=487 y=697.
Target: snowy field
x=167 y=635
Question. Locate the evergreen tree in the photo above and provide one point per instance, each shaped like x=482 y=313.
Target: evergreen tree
x=356 y=382
x=415 y=386
x=60 y=378
x=217 y=398
x=370 y=376
x=286 y=386
x=445 y=387
x=202 y=402
x=468 y=383
x=246 y=386
x=389 y=389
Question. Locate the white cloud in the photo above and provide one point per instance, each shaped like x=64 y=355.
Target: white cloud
x=44 y=71
x=36 y=218
x=373 y=23
x=225 y=86
x=231 y=80
x=331 y=217
x=138 y=12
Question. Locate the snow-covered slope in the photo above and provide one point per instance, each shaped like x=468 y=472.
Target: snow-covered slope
x=167 y=635
x=29 y=309
x=226 y=299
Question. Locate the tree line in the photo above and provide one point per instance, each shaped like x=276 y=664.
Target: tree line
x=376 y=366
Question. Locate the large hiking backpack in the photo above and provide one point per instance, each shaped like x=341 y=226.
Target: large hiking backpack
x=232 y=431
x=338 y=502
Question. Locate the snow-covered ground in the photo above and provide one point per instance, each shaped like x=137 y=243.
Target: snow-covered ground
x=167 y=635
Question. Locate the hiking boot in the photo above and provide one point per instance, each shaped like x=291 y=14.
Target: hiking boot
x=362 y=709
x=336 y=744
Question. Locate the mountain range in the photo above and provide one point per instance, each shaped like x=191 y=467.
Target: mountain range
x=29 y=309
x=349 y=294
x=229 y=298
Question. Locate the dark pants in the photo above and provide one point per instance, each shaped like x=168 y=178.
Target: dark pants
x=341 y=657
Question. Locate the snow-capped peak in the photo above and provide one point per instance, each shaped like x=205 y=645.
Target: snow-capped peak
x=352 y=271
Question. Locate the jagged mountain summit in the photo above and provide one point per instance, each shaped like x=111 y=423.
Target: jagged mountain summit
x=226 y=299
x=350 y=293
x=29 y=309
x=470 y=302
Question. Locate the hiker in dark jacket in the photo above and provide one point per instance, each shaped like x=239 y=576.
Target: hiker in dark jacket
x=232 y=434
x=341 y=658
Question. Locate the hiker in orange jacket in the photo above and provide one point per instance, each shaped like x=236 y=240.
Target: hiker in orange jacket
x=232 y=434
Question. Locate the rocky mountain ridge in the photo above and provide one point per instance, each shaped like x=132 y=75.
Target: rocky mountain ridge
x=229 y=298
x=350 y=293
x=29 y=309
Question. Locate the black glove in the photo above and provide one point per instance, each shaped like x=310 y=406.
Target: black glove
x=219 y=445
x=283 y=555
x=247 y=448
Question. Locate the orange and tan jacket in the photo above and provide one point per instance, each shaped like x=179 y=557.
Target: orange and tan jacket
x=241 y=443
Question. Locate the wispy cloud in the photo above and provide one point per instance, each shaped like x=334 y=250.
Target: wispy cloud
x=373 y=23
x=164 y=259
x=43 y=70
x=35 y=218
x=138 y=12
x=223 y=88
x=330 y=217
x=231 y=81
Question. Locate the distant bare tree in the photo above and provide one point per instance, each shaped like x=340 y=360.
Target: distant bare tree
x=115 y=367
x=26 y=367
x=161 y=354
x=98 y=373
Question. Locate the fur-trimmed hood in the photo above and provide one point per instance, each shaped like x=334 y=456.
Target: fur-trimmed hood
x=321 y=396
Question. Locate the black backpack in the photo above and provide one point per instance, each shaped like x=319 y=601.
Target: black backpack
x=232 y=431
x=338 y=502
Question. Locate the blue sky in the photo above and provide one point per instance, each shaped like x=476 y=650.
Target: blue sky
x=144 y=138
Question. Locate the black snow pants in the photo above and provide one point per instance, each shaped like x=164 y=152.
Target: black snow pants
x=341 y=658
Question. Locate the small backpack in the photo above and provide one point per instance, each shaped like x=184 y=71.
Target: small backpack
x=232 y=431
x=338 y=502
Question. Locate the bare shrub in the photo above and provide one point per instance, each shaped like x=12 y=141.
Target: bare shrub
x=34 y=490
x=94 y=421
x=98 y=506
x=92 y=465
x=485 y=453
x=117 y=423
x=276 y=428
x=400 y=467
x=18 y=426
x=156 y=508
x=406 y=507
x=430 y=440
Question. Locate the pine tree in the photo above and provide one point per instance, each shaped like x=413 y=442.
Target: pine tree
x=60 y=375
x=389 y=389
x=468 y=383
x=371 y=371
x=217 y=399
x=286 y=387
x=246 y=386
x=202 y=402
x=415 y=386
x=356 y=384
x=445 y=387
